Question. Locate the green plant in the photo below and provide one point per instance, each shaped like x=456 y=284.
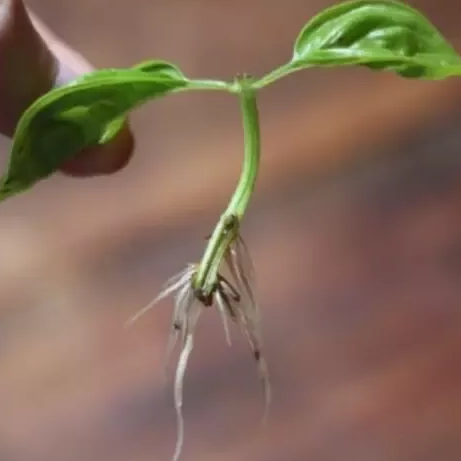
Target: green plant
x=380 y=35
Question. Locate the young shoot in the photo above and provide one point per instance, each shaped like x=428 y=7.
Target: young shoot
x=382 y=35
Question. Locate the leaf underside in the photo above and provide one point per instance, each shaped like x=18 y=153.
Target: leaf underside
x=87 y=112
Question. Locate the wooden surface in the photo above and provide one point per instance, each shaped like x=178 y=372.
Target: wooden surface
x=355 y=231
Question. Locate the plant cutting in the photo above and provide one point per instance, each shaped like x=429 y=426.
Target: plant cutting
x=380 y=35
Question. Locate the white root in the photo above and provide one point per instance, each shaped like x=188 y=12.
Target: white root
x=171 y=285
x=223 y=311
x=186 y=351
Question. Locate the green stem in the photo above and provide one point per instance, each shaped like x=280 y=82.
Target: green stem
x=252 y=142
x=275 y=75
x=228 y=226
x=215 y=85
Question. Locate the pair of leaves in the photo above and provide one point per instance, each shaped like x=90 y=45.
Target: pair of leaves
x=379 y=34
x=86 y=112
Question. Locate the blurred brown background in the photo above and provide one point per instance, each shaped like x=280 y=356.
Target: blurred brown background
x=355 y=231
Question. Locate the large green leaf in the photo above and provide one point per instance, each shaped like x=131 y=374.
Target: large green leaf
x=88 y=111
x=378 y=34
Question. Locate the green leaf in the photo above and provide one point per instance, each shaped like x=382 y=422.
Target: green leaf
x=378 y=34
x=88 y=111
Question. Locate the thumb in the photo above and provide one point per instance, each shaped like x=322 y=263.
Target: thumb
x=32 y=61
